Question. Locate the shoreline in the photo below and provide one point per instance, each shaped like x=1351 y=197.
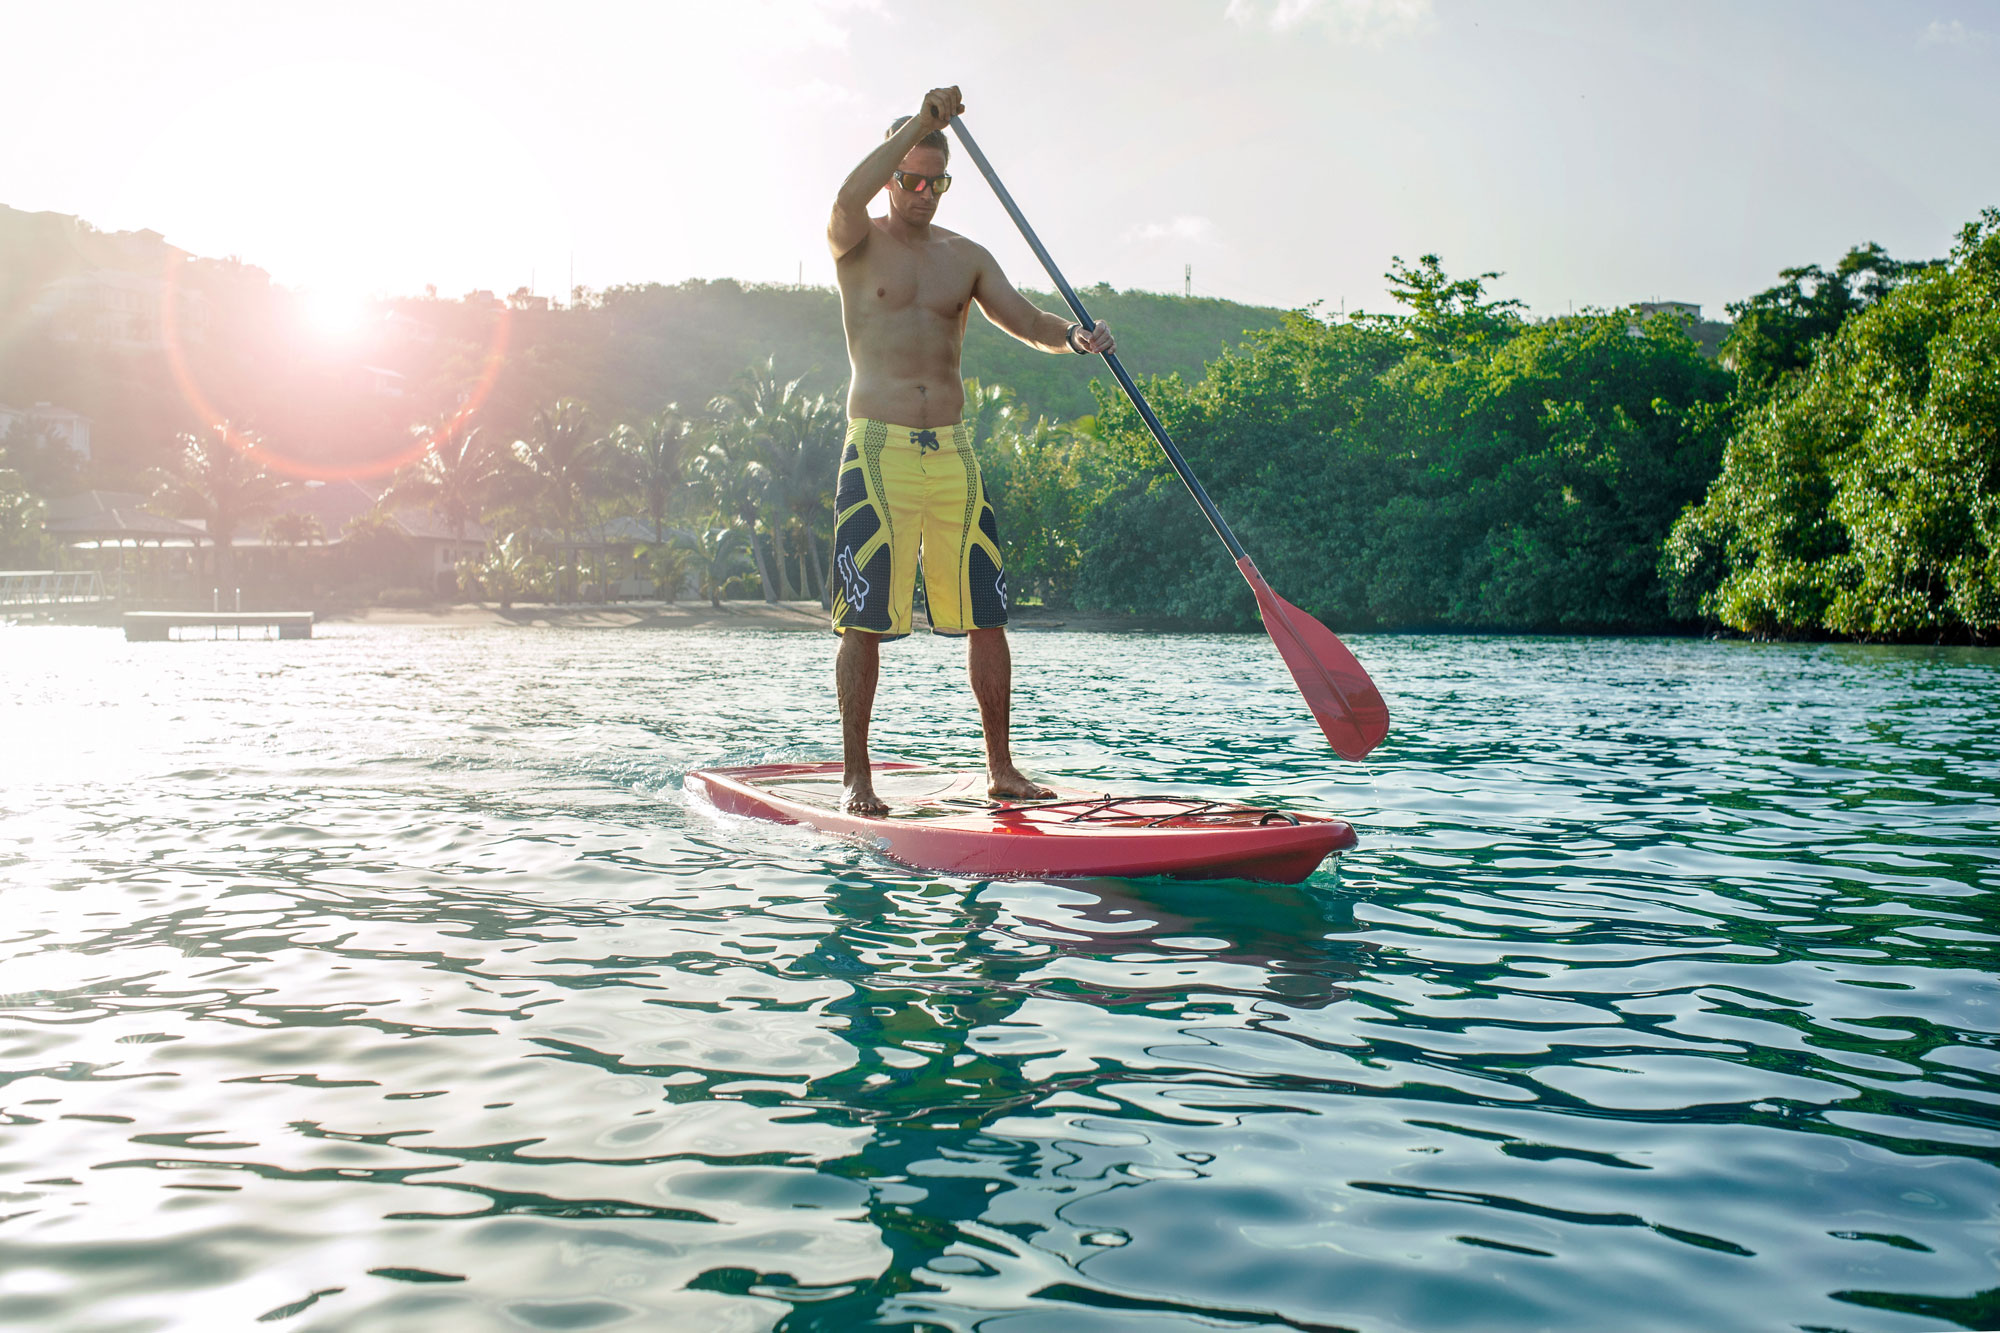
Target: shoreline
x=810 y=617
x=783 y=617
x=788 y=617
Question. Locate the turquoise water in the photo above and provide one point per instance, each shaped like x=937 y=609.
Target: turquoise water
x=385 y=981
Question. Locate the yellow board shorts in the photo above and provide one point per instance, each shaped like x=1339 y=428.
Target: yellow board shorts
x=904 y=496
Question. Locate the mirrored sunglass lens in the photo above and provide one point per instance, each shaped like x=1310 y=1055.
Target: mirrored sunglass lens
x=910 y=181
x=940 y=184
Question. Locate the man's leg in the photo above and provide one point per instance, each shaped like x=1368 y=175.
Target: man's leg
x=856 y=668
x=991 y=666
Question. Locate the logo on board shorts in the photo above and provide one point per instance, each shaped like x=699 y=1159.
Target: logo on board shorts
x=851 y=581
x=1000 y=586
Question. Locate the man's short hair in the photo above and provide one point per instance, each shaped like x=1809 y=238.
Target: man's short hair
x=935 y=139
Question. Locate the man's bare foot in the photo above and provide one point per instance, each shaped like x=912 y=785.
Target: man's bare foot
x=859 y=798
x=1012 y=785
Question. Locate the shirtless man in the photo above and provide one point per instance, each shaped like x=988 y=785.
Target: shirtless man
x=908 y=480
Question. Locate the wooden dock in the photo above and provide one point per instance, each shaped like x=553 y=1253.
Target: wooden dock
x=158 y=626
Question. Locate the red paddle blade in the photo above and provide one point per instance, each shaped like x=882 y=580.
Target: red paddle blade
x=1344 y=701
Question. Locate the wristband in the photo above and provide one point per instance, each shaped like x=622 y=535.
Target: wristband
x=1069 y=339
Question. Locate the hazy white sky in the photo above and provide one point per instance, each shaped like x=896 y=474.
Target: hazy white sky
x=1597 y=153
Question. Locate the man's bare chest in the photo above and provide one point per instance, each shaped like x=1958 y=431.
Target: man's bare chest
x=902 y=279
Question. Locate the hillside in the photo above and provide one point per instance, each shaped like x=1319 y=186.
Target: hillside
x=630 y=349
x=91 y=321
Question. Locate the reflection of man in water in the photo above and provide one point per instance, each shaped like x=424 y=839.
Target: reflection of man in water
x=908 y=482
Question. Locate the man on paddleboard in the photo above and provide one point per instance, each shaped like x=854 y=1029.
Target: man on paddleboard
x=909 y=490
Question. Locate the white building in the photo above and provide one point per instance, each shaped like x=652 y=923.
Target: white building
x=51 y=423
x=380 y=381
x=120 y=308
x=1683 y=309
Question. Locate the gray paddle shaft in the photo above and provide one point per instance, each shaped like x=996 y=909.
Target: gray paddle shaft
x=1181 y=467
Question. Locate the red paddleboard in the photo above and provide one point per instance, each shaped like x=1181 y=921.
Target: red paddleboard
x=941 y=819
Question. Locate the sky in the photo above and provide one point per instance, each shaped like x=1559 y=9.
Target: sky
x=1593 y=153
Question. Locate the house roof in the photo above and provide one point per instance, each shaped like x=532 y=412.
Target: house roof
x=123 y=524
x=336 y=504
x=79 y=503
x=122 y=515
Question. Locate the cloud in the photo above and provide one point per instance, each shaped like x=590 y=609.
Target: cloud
x=792 y=25
x=1366 y=22
x=1196 y=230
x=820 y=94
x=1954 y=33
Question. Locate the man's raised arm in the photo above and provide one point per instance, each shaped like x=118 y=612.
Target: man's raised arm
x=1000 y=301
x=849 y=224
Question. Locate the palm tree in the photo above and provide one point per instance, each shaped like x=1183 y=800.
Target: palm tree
x=561 y=467
x=287 y=531
x=294 y=529
x=21 y=515
x=217 y=476
x=807 y=469
x=734 y=486
x=986 y=407
x=507 y=570
x=764 y=417
x=669 y=562
x=459 y=474
x=653 y=457
x=779 y=452
x=718 y=553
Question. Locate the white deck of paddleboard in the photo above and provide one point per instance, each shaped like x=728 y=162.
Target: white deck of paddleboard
x=907 y=790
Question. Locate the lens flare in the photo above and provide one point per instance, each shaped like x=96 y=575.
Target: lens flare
x=273 y=456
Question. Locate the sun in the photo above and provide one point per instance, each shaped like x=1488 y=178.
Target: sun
x=334 y=316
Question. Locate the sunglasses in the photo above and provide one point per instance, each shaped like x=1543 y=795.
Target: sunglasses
x=915 y=184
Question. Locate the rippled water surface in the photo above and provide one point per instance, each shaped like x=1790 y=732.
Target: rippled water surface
x=385 y=981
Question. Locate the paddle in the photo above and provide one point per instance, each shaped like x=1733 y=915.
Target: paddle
x=1343 y=700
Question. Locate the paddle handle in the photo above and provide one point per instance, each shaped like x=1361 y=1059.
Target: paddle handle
x=1173 y=454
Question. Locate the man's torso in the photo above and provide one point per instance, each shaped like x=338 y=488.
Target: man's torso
x=904 y=305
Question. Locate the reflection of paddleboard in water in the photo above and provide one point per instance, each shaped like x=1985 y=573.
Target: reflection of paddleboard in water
x=941 y=819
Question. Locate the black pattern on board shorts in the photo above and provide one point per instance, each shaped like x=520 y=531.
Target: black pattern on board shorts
x=907 y=498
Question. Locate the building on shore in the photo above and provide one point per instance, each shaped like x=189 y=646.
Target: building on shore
x=55 y=425
x=121 y=289
x=315 y=536
x=422 y=551
x=1707 y=333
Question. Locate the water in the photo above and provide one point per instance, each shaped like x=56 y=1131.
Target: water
x=384 y=981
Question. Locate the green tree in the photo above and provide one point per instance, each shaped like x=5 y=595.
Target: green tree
x=720 y=553
x=21 y=514
x=668 y=562
x=1448 y=316
x=807 y=461
x=458 y=475
x=1865 y=500
x=1778 y=330
x=1039 y=480
x=734 y=486
x=653 y=457
x=779 y=424
x=218 y=476
x=289 y=531
x=45 y=464
x=1454 y=466
x=507 y=572
x=561 y=469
